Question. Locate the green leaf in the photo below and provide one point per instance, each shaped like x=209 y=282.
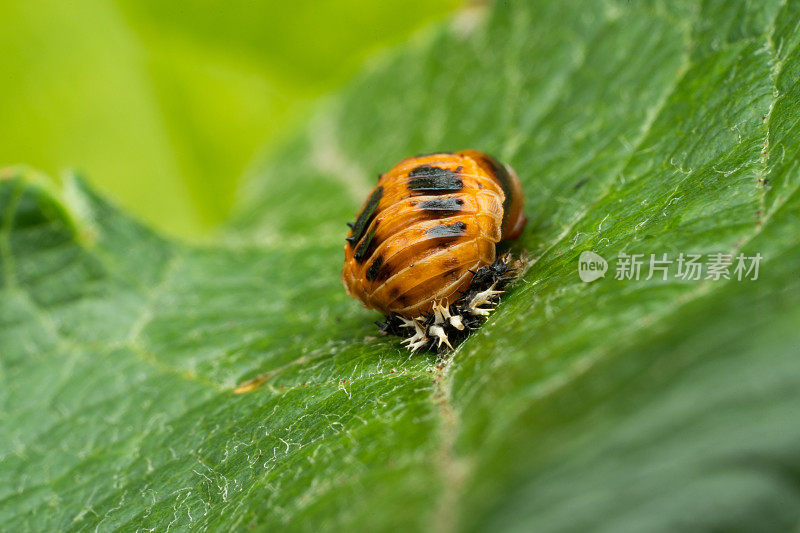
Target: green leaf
x=615 y=405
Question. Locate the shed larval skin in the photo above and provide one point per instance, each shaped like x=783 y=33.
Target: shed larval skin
x=426 y=227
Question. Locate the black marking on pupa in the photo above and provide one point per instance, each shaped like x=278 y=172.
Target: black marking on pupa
x=365 y=217
x=426 y=178
x=374 y=268
x=449 y=205
x=456 y=229
x=366 y=247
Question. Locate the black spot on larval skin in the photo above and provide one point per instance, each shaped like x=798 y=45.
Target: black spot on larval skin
x=365 y=217
x=430 y=179
x=450 y=205
x=372 y=271
x=456 y=229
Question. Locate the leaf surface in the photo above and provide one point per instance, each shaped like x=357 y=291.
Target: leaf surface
x=616 y=405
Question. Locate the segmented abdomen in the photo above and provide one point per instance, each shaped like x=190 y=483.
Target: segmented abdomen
x=427 y=225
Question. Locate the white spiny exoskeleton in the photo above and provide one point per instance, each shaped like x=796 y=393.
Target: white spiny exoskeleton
x=482 y=298
x=407 y=323
x=441 y=314
x=419 y=339
x=438 y=332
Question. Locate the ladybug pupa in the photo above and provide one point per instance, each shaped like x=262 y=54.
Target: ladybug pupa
x=423 y=248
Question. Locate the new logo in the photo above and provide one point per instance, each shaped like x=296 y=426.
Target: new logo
x=591 y=266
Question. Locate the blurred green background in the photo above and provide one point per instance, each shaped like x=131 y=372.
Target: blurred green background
x=164 y=104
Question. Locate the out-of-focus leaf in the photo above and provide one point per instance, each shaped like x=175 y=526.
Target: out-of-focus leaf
x=164 y=104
